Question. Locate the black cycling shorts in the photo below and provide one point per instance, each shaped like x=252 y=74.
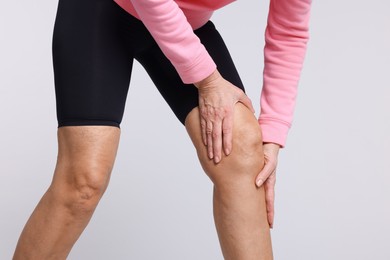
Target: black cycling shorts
x=94 y=45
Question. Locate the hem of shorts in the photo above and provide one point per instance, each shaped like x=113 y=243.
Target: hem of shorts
x=88 y=122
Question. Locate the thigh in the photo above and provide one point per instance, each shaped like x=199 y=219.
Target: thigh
x=92 y=65
x=182 y=98
x=86 y=156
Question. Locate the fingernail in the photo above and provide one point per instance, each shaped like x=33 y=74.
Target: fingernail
x=216 y=159
x=227 y=151
x=259 y=182
x=211 y=155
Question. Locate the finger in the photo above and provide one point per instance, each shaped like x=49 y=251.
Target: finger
x=217 y=140
x=202 y=121
x=227 y=132
x=203 y=130
x=265 y=173
x=269 y=187
x=247 y=102
x=209 y=131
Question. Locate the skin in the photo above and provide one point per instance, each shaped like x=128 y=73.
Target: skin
x=85 y=160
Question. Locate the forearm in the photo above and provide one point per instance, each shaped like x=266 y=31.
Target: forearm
x=286 y=35
x=169 y=27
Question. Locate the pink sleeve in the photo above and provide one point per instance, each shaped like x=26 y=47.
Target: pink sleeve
x=286 y=37
x=169 y=27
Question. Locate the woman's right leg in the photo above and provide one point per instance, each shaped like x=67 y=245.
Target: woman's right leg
x=86 y=156
x=92 y=67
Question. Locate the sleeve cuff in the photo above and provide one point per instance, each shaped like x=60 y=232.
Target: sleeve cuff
x=274 y=131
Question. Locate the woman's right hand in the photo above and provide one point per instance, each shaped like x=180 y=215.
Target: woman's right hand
x=217 y=98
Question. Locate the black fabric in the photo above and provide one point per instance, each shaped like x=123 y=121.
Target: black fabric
x=94 y=44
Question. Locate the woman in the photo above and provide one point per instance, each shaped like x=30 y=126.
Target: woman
x=94 y=45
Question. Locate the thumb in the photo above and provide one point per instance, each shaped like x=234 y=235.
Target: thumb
x=264 y=174
x=247 y=102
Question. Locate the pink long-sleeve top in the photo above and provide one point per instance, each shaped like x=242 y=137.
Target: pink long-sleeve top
x=171 y=23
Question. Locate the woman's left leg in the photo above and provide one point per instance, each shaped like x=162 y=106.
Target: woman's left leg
x=239 y=206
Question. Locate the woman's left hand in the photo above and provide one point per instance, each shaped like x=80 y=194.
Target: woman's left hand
x=267 y=176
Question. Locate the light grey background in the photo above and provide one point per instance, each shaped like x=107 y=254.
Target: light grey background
x=332 y=193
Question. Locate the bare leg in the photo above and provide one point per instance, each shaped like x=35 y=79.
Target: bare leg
x=239 y=206
x=86 y=156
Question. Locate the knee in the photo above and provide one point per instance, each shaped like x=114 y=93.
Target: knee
x=85 y=159
x=80 y=188
x=246 y=158
x=90 y=183
x=247 y=149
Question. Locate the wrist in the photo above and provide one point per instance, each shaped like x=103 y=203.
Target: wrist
x=272 y=144
x=208 y=80
x=274 y=147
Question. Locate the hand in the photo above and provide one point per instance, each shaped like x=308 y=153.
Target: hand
x=217 y=98
x=267 y=176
